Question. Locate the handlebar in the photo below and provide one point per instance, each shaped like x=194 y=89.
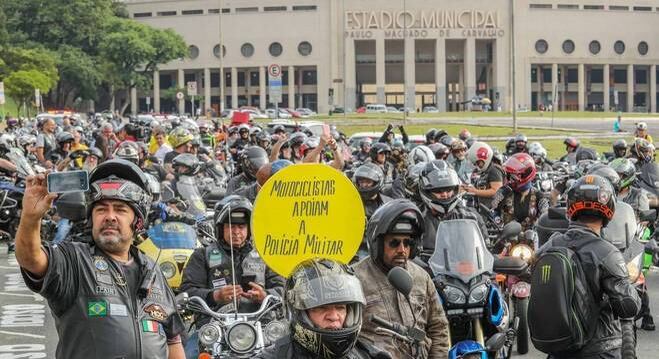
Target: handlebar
x=197 y=304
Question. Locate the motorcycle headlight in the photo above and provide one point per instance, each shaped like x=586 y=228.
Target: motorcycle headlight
x=454 y=295
x=275 y=329
x=522 y=251
x=209 y=334
x=168 y=269
x=478 y=294
x=546 y=185
x=241 y=337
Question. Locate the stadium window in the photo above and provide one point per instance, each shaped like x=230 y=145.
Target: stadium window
x=247 y=9
x=540 y=6
x=142 y=14
x=274 y=8
x=304 y=7
x=567 y=7
x=618 y=8
x=642 y=8
x=167 y=13
x=593 y=7
x=192 y=12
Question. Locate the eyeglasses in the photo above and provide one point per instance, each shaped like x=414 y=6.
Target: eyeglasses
x=395 y=243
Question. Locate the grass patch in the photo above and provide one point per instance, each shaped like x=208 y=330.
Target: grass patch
x=468 y=115
x=9 y=108
x=452 y=129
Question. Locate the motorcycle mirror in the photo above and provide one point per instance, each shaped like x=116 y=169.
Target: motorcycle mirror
x=511 y=229
x=182 y=299
x=400 y=279
x=496 y=342
x=648 y=215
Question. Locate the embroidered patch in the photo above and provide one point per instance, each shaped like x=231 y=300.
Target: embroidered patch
x=103 y=290
x=118 y=310
x=156 y=312
x=218 y=283
x=104 y=278
x=101 y=264
x=97 y=308
x=150 y=326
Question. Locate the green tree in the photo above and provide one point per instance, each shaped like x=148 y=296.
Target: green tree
x=20 y=85
x=80 y=76
x=135 y=50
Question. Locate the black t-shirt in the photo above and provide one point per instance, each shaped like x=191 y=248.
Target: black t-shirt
x=131 y=274
x=493 y=174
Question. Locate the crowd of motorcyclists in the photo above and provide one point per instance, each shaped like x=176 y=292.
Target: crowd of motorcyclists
x=208 y=173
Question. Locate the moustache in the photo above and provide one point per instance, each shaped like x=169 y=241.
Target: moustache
x=110 y=226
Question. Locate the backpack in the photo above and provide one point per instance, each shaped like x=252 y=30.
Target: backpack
x=563 y=311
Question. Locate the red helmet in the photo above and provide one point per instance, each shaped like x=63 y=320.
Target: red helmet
x=520 y=170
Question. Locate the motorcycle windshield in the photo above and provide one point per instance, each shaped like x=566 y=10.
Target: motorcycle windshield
x=22 y=165
x=621 y=229
x=460 y=251
x=187 y=189
x=650 y=177
x=173 y=235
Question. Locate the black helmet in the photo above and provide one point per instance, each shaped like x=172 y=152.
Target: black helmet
x=625 y=168
x=232 y=209
x=121 y=180
x=620 y=148
x=398 y=145
x=379 y=148
x=606 y=172
x=372 y=172
x=441 y=152
x=446 y=140
x=439 y=135
x=186 y=164
x=251 y=159
x=279 y=129
x=430 y=135
x=297 y=139
x=438 y=175
x=399 y=216
x=411 y=180
x=591 y=195
x=584 y=153
x=95 y=151
x=64 y=137
x=644 y=150
x=315 y=283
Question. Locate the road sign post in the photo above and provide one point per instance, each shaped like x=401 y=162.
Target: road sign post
x=274 y=86
x=192 y=92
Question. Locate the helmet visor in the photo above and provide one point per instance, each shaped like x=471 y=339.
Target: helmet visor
x=330 y=289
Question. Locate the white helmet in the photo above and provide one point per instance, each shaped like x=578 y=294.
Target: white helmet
x=536 y=150
x=419 y=154
x=480 y=151
x=641 y=126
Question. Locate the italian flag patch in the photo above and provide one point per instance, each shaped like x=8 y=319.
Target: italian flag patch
x=150 y=326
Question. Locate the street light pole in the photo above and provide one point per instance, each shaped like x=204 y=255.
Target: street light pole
x=512 y=45
x=222 y=79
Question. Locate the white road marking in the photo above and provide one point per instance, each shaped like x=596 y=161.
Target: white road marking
x=22 y=334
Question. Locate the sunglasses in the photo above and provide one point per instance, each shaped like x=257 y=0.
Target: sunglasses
x=395 y=243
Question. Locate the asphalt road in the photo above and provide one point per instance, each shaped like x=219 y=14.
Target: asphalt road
x=27 y=329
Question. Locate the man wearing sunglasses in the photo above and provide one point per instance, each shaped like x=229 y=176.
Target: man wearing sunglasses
x=394 y=233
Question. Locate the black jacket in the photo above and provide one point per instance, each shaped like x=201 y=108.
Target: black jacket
x=606 y=272
x=209 y=268
x=460 y=211
x=237 y=182
x=286 y=348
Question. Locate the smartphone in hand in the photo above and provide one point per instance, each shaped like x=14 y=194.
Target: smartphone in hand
x=244 y=281
x=65 y=182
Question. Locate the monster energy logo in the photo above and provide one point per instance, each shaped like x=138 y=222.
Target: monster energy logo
x=546 y=273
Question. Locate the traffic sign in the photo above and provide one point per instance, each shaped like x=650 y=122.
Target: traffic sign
x=274 y=83
x=148 y=100
x=192 y=88
x=2 y=93
x=180 y=95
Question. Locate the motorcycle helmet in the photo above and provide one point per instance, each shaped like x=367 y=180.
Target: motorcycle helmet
x=243 y=130
x=297 y=139
x=96 y=152
x=620 y=148
x=64 y=137
x=441 y=152
x=626 y=170
x=440 y=134
x=606 y=172
x=232 y=209
x=372 y=172
x=538 y=152
x=279 y=129
x=315 y=283
x=377 y=149
x=121 y=180
x=520 y=171
x=420 y=154
x=430 y=136
x=446 y=140
x=458 y=145
x=644 y=150
x=438 y=176
x=365 y=144
x=251 y=159
x=186 y=164
x=464 y=134
x=254 y=131
x=467 y=349
x=128 y=151
x=399 y=216
x=263 y=140
x=308 y=145
x=571 y=143
x=591 y=195
x=411 y=180
x=641 y=126
x=179 y=137
x=12 y=122
x=399 y=146
x=520 y=142
x=480 y=151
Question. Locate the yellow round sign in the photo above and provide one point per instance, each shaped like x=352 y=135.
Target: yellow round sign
x=307 y=211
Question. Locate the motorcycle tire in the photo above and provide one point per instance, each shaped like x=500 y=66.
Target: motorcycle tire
x=628 y=339
x=521 y=308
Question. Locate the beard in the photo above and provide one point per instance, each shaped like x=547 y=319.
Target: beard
x=112 y=242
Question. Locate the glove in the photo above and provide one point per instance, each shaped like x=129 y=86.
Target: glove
x=389 y=128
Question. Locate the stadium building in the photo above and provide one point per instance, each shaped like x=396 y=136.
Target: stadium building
x=576 y=55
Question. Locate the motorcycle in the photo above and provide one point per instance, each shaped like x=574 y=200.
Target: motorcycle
x=517 y=289
x=462 y=270
x=237 y=335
